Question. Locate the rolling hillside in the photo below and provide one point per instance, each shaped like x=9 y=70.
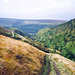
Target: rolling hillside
x=29 y=26
x=19 y=58
x=61 y=37
x=27 y=58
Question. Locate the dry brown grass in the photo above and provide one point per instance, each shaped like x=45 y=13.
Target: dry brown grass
x=19 y=58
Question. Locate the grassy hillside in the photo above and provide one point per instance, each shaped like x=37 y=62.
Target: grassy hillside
x=19 y=58
x=29 y=26
x=13 y=33
x=20 y=35
x=4 y=31
x=61 y=37
x=17 y=31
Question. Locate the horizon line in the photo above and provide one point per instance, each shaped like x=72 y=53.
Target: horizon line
x=33 y=18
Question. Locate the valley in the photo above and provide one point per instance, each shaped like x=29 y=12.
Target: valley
x=20 y=58
x=41 y=54
x=30 y=26
x=37 y=37
x=61 y=38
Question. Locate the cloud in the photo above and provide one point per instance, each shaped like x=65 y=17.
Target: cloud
x=5 y=1
x=36 y=8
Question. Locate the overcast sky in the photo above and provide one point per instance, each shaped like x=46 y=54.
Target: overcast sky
x=38 y=9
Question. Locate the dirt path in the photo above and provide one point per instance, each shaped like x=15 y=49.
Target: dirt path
x=54 y=66
x=56 y=69
x=49 y=68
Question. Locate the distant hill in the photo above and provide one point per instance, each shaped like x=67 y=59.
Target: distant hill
x=29 y=26
x=61 y=37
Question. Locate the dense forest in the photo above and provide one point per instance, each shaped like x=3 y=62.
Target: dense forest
x=61 y=37
x=32 y=28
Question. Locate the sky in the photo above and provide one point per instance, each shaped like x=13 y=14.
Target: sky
x=38 y=9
